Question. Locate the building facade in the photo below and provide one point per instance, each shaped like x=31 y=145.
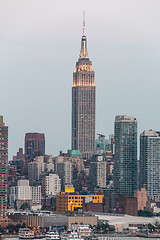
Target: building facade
x=3 y=169
x=142 y=199
x=125 y=163
x=34 y=143
x=126 y=205
x=36 y=194
x=70 y=202
x=150 y=163
x=35 y=169
x=65 y=172
x=97 y=172
x=43 y=220
x=53 y=184
x=24 y=192
x=89 y=206
x=102 y=144
x=83 y=103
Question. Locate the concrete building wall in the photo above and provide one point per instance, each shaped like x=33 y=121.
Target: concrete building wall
x=36 y=194
x=23 y=190
x=126 y=205
x=97 y=207
x=53 y=184
x=141 y=196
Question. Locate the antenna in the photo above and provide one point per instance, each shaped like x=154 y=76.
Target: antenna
x=83 y=23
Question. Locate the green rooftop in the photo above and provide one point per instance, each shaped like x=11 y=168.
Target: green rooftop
x=75 y=152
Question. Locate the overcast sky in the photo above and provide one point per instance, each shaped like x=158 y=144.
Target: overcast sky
x=39 y=46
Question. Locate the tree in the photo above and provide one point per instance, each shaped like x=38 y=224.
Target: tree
x=145 y=213
x=151 y=227
x=25 y=206
x=111 y=229
x=11 y=228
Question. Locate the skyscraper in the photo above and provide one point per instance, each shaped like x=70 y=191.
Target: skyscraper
x=83 y=103
x=3 y=169
x=65 y=171
x=150 y=163
x=35 y=169
x=125 y=163
x=34 y=143
x=97 y=172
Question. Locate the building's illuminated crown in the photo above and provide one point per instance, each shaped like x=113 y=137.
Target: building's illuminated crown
x=83 y=65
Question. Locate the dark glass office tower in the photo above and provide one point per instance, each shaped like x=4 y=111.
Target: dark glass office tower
x=125 y=163
x=83 y=103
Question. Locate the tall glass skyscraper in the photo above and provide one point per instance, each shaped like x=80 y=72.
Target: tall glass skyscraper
x=125 y=163
x=150 y=163
x=83 y=103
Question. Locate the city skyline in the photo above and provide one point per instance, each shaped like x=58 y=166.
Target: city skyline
x=125 y=56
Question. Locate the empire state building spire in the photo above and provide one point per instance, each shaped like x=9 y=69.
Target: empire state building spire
x=84 y=23
x=83 y=52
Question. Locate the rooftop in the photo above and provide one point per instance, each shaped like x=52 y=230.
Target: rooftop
x=75 y=152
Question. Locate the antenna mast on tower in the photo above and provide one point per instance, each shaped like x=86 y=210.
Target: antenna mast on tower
x=84 y=23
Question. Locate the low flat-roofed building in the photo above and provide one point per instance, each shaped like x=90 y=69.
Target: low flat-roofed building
x=125 y=220
x=126 y=205
x=70 y=202
x=45 y=219
x=89 y=206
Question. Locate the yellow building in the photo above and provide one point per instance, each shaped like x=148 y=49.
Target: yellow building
x=69 y=189
x=69 y=202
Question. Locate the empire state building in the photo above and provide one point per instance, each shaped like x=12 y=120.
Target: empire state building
x=83 y=103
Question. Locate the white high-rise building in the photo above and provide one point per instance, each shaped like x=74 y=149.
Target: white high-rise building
x=36 y=194
x=53 y=184
x=23 y=191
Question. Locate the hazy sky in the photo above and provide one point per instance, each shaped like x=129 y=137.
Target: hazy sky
x=39 y=46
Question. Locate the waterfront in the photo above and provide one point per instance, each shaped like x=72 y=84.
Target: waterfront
x=103 y=238
x=127 y=238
